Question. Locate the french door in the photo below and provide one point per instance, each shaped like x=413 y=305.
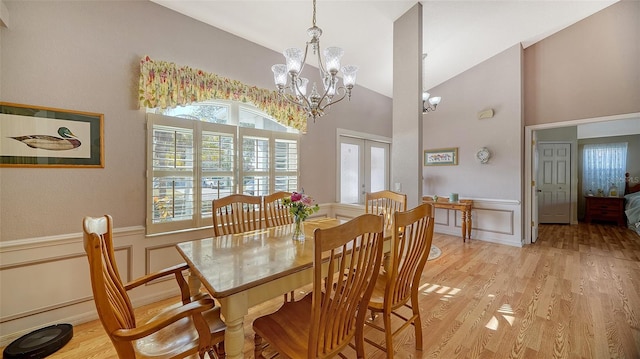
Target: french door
x=364 y=167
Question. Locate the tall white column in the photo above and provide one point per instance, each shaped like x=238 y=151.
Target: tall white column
x=406 y=152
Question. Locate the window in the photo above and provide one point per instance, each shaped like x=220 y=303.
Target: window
x=210 y=150
x=603 y=165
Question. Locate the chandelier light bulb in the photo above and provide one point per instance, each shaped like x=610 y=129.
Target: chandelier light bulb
x=302 y=86
x=349 y=73
x=332 y=57
x=435 y=100
x=294 y=57
x=279 y=75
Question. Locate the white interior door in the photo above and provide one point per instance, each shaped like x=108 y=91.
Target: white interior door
x=554 y=182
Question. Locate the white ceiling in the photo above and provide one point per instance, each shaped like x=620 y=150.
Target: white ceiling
x=457 y=35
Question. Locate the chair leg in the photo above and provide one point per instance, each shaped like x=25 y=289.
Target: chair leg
x=259 y=346
x=417 y=322
x=286 y=298
x=220 y=351
x=360 y=342
x=388 y=334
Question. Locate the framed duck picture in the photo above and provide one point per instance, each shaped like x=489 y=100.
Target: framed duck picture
x=34 y=136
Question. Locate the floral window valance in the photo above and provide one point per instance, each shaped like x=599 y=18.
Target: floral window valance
x=165 y=85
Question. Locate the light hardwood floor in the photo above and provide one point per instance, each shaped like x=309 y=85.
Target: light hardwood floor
x=573 y=294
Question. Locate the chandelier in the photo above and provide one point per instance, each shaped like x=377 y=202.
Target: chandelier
x=426 y=97
x=433 y=102
x=293 y=87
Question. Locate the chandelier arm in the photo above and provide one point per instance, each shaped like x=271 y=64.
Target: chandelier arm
x=333 y=100
x=323 y=71
x=304 y=59
x=290 y=98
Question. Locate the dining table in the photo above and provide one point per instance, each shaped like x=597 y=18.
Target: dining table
x=246 y=269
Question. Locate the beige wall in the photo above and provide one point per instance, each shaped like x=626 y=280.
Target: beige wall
x=84 y=55
x=496 y=84
x=587 y=70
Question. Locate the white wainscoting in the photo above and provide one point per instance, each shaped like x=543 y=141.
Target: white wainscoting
x=497 y=221
x=45 y=281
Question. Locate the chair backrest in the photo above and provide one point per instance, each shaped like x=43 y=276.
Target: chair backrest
x=410 y=248
x=112 y=302
x=385 y=203
x=344 y=283
x=275 y=213
x=236 y=213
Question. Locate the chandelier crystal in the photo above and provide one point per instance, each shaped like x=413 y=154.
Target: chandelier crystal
x=293 y=87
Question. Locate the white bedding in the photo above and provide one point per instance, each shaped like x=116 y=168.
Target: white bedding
x=632 y=210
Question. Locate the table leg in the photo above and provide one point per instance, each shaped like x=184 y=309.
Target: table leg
x=194 y=285
x=464 y=225
x=469 y=224
x=233 y=310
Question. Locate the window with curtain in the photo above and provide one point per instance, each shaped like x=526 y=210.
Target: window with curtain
x=205 y=151
x=603 y=165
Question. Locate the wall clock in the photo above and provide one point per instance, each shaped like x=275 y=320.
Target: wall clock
x=483 y=155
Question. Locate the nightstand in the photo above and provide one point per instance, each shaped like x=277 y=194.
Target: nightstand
x=604 y=209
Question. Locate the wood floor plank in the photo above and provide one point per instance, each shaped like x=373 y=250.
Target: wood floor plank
x=573 y=294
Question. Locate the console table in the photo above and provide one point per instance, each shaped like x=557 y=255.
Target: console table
x=463 y=205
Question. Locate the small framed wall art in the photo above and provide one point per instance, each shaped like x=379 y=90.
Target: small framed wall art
x=441 y=157
x=33 y=136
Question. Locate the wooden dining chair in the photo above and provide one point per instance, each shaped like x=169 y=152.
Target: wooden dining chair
x=409 y=252
x=385 y=203
x=275 y=212
x=320 y=325
x=193 y=327
x=236 y=213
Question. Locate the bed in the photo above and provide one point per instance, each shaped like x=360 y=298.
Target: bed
x=632 y=202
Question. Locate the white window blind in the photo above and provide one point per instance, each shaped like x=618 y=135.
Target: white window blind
x=193 y=159
x=286 y=165
x=603 y=165
x=172 y=177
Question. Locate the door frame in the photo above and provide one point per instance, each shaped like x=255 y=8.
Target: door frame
x=528 y=188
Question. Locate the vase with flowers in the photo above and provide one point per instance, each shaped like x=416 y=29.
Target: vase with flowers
x=300 y=206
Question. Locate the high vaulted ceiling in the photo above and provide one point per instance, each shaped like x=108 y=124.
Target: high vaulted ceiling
x=457 y=35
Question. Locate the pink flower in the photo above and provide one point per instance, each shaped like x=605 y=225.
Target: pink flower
x=307 y=200
x=295 y=196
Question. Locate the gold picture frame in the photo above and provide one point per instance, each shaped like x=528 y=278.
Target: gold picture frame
x=34 y=136
x=441 y=157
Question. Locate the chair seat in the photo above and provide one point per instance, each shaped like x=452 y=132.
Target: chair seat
x=291 y=339
x=377 y=297
x=184 y=334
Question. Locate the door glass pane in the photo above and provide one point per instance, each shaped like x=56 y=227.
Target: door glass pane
x=349 y=168
x=378 y=173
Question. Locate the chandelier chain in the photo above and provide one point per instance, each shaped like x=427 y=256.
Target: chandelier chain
x=314 y=13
